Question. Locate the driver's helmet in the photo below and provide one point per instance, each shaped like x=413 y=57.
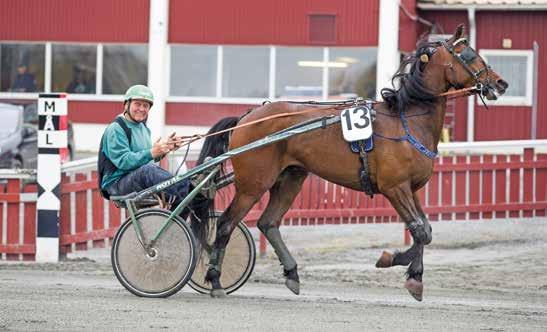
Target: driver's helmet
x=139 y=92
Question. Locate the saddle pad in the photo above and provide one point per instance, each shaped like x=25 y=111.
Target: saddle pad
x=369 y=145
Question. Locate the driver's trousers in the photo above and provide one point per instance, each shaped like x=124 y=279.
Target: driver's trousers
x=145 y=177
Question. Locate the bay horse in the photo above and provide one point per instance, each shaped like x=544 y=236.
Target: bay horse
x=398 y=166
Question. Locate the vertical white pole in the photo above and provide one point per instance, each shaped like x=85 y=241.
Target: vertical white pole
x=48 y=64
x=220 y=60
x=325 y=85
x=271 y=83
x=99 y=76
x=51 y=109
x=157 y=64
x=388 y=44
x=471 y=99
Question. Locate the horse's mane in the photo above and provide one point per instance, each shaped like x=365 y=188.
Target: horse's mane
x=409 y=88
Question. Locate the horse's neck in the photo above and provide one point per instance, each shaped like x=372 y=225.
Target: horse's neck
x=428 y=128
x=435 y=121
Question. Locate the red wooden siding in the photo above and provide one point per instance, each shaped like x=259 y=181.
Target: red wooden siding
x=75 y=20
x=93 y=111
x=201 y=114
x=282 y=22
x=407 y=27
x=523 y=28
x=513 y=122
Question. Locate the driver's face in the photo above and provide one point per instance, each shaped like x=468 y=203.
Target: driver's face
x=139 y=109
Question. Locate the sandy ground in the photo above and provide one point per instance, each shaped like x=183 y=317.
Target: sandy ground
x=479 y=276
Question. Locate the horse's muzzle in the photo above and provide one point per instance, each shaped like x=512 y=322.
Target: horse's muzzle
x=494 y=90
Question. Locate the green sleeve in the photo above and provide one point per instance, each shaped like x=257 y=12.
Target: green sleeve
x=117 y=149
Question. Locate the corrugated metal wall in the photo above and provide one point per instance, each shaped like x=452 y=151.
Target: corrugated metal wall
x=280 y=22
x=209 y=113
x=407 y=27
x=512 y=122
x=522 y=27
x=75 y=20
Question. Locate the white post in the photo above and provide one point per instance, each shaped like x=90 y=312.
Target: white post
x=388 y=44
x=157 y=64
x=471 y=99
x=51 y=137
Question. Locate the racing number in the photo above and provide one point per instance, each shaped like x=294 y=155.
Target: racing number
x=358 y=123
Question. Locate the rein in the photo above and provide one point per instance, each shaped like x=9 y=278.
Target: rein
x=186 y=140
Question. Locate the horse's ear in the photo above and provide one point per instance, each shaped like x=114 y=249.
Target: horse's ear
x=458 y=33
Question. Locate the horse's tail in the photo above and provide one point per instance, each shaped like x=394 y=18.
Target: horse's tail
x=204 y=207
x=217 y=144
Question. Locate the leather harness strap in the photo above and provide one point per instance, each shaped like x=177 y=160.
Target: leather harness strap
x=364 y=172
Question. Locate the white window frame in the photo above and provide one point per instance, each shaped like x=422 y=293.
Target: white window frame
x=219 y=98
x=97 y=96
x=525 y=100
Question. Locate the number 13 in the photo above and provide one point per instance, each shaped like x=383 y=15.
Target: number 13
x=357 y=124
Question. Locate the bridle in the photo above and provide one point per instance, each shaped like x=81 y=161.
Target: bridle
x=466 y=58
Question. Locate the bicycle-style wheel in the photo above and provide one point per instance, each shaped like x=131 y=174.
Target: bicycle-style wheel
x=168 y=267
x=237 y=266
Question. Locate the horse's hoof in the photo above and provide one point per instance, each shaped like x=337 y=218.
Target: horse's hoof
x=218 y=293
x=415 y=288
x=293 y=285
x=386 y=260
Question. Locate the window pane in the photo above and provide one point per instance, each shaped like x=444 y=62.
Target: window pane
x=124 y=66
x=245 y=71
x=22 y=67
x=193 y=70
x=513 y=69
x=299 y=72
x=74 y=68
x=352 y=72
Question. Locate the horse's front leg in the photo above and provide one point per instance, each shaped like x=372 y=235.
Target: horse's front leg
x=408 y=206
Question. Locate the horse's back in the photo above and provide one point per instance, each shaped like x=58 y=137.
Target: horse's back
x=322 y=151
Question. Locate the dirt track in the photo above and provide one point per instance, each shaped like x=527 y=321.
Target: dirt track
x=479 y=276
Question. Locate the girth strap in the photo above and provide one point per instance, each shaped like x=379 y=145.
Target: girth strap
x=364 y=172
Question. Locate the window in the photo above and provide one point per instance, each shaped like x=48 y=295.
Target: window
x=299 y=72
x=245 y=71
x=515 y=66
x=123 y=66
x=213 y=71
x=74 y=68
x=193 y=70
x=22 y=67
x=352 y=72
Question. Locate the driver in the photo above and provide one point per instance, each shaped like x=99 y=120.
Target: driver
x=126 y=151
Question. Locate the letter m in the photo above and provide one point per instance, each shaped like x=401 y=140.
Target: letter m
x=50 y=106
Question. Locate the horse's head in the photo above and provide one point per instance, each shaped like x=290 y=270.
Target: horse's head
x=465 y=68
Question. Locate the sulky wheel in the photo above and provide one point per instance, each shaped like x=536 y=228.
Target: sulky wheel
x=238 y=264
x=166 y=268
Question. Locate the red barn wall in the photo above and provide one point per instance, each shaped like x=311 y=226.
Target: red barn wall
x=523 y=28
x=75 y=20
x=280 y=22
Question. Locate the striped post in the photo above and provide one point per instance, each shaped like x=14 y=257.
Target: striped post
x=52 y=136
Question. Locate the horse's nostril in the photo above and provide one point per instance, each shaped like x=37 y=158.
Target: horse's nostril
x=503 y=84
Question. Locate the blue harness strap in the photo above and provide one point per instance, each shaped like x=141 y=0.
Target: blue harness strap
x=411 y=139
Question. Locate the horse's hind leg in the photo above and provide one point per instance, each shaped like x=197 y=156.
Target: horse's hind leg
x=408 y=206
x=282 y=195
x=240 y=206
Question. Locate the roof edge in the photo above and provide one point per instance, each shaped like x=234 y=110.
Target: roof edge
x=432 y=6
